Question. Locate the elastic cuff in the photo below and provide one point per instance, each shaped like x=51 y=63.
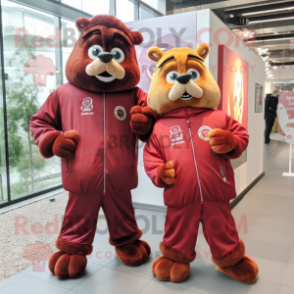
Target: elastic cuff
x=159 y=183
x=176 y=255
x=237 y=151
x=127 y=239
x=232 y=257
x=73 y=248
x=46 y=144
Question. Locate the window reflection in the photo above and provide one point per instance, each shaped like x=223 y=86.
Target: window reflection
x=31 y=74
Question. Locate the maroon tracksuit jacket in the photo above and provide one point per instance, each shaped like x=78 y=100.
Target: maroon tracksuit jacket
x=104 y=167
x=204 y=180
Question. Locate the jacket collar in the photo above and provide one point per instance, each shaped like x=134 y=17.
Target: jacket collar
x=184 y=112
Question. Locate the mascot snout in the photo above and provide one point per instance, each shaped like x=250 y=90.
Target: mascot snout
x=105 y=63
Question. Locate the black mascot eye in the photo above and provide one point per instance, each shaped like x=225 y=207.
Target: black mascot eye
x=116 y=55
x=96 y=51
x=193 y=74
x=173 y=76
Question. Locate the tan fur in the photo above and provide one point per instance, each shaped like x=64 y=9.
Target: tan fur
x=158 y=97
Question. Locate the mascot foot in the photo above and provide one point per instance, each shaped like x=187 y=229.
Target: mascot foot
x=237 y=266
x=64 y=266
x=70 y=261
x=165 y=269
x=133 y=254
x=245 y=271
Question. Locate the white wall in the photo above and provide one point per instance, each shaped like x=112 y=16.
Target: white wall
x=249 y=171
x=197 y=21
x=286 y=73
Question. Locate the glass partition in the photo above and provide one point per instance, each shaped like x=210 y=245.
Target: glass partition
x=125 y=10
x=36 y=46
x=3 y=173
x=31 y=74
x=90 y=6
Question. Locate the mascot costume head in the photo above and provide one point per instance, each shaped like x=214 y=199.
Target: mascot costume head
x=104 y=58
x=93 y=123
x=188 y=155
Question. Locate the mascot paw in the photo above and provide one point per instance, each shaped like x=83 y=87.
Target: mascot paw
x=142 y=119
x=133 y=254
x=65 y=145
x=221 y=141
x=64 y=265
x=245 y=271
x=165 y=269
x=166 y=173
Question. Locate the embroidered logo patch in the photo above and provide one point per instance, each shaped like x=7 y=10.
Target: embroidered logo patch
x=87 y=106
x=176 y=133
x=203 y=132
x=120 y=113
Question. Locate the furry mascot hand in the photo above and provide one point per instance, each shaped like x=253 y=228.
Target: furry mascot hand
x=142 y=120
x=61 y=145
x=166 y=173
x=224 y=142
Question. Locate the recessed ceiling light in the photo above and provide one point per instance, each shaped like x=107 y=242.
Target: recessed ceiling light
x=270 y=20
x=267 y=40
x=231 y=15
x=267 y=11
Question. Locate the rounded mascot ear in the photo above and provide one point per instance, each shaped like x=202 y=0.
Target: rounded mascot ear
x=137 y=37
x=154 y=53
x=81 y=23
x=203 y=50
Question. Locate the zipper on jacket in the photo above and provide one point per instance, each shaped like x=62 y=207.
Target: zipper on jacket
x=104 y=125
x=195 y=162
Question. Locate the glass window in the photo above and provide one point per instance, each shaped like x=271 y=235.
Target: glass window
x=69 y=34
x=74 y=3
x=31 y=70
x=3 y=179
x=92 y=7
x=145 y=13
x=125 y=10
x=152 y=3
x=95 y=7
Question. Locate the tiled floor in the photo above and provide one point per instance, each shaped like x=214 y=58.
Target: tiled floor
x=268 y=208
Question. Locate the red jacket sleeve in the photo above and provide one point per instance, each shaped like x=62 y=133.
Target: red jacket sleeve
x=241 y=137
x=153 y=159
x=140 y=97
x=47 y=119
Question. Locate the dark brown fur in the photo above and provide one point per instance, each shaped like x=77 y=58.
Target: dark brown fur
x=79 y=59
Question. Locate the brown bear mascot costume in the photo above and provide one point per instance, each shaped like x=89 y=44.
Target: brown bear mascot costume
x=93 y=123
x=189 y=155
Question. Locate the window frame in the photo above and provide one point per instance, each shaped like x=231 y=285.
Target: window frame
x=60 y=11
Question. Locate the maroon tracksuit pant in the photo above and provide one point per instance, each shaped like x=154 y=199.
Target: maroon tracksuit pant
x=181 y=227
x=81 y=215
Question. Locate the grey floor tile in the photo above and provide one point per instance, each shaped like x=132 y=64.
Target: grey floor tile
x=11 y=280
x=268 y=251
x=225 y=285
x=32 y=285
x=202 y=277
x=289 y=275
x=109 y=281
x=270 y=270
x=102 y=235
x=287 y=290
x=291 y=260
x=69 y=283
x=102 y=254
x=143 y=270
x=158 y=287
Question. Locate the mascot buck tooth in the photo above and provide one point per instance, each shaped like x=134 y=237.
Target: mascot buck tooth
x=189 y=155
x=92 y=123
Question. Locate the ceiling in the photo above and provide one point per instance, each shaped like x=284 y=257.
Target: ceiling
x=266 y=26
